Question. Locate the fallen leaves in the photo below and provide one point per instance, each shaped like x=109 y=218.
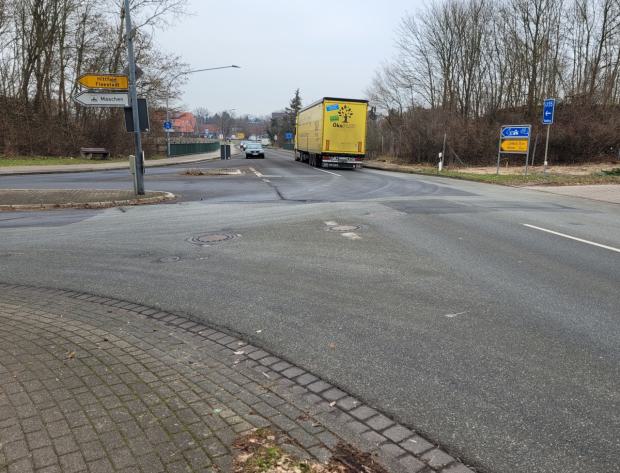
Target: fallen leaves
x=263 y=451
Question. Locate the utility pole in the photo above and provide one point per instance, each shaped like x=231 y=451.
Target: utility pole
x=138 y=183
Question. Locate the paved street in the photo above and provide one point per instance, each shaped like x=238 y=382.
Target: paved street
x=484 y=317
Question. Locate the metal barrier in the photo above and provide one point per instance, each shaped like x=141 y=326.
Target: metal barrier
x=180 y=149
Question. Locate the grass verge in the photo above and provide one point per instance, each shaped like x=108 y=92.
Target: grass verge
x=532 y=179
x=6 y=161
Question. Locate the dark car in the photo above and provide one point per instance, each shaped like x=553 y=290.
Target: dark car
x=254 y=150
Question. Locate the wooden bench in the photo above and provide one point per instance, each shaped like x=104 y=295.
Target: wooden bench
x=94 y=153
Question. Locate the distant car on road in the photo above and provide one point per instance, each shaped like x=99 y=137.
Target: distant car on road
x=254 y=150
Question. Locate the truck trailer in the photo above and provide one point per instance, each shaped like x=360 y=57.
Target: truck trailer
x=331 y=133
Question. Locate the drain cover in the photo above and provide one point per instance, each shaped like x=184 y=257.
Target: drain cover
x=209 y=239
x=344 y=228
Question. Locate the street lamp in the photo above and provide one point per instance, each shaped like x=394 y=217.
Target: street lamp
x=176 y=76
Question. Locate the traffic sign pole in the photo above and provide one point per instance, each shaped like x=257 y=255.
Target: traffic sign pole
x=546 y=149
x=548 y=117
x=499 y=150
x=133 y=100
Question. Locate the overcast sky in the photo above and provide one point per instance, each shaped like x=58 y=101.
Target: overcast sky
x=322 y=47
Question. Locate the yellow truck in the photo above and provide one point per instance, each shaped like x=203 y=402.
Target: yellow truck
x=331 y=133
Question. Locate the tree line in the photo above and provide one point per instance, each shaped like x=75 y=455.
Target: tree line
x=45 y=45
x=464 y=67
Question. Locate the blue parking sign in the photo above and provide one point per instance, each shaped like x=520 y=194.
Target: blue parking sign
x=548 y=111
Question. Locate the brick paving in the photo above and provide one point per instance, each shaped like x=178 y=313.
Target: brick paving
x=92 y=384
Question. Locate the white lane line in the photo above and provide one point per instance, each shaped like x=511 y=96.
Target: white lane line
x=611 y=248
x=266 y=180
x=258 y=174
x=331 y=223
x=351 y=236
x=328 y=172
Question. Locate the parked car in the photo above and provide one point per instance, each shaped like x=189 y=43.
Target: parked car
x=254 y=150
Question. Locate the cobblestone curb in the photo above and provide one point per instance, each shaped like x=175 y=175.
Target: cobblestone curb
x=93 y=384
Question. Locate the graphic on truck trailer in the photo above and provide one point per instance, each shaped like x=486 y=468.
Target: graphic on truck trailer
x=345 y=113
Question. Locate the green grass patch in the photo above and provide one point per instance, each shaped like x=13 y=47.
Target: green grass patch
x=532 y=179
x=7 y=161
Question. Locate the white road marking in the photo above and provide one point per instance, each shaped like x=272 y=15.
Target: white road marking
x=351 y=236
x=611 y=248
x=328 y=172
x=450 y=316
x=266 y=180
x=258 y=174
x=331 y=223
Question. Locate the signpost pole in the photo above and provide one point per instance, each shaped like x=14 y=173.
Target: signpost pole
x=167 y=131
x=546 y=149
x=133 y=101
x=527 y=154
x=547 y=119
x=499 y=150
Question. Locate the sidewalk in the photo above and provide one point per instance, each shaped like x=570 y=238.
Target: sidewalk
x=65 y=168
x=92 y=384
x=602 y=192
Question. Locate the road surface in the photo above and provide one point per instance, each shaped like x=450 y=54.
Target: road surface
x=486 y=317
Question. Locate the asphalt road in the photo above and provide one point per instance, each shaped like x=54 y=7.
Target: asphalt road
x=498 y=340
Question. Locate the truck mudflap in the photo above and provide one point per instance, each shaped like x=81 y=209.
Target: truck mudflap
x=341 y=162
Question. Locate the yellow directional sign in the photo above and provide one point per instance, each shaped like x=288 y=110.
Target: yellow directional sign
x=104 y=81
x=514 y=145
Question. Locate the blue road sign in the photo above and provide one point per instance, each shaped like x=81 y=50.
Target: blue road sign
x=548 y=111
x=288 y=136
x=515 y=131
x=168 y=125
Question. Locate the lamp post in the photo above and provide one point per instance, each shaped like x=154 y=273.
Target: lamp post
x=172 y=79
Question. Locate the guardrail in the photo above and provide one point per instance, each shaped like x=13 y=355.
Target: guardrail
x=182 y=149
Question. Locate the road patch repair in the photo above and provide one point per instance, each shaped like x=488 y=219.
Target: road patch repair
x=47 y=199
x=92 y=383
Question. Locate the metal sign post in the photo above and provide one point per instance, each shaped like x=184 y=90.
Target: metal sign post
x=133 y=98
x=548 y=115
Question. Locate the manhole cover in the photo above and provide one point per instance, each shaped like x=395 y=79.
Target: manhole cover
x=169 y=259
x=344 y=228
x=209 y=239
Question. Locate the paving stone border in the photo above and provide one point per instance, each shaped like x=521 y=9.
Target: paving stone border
x=314 y=413
x=152 y=197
